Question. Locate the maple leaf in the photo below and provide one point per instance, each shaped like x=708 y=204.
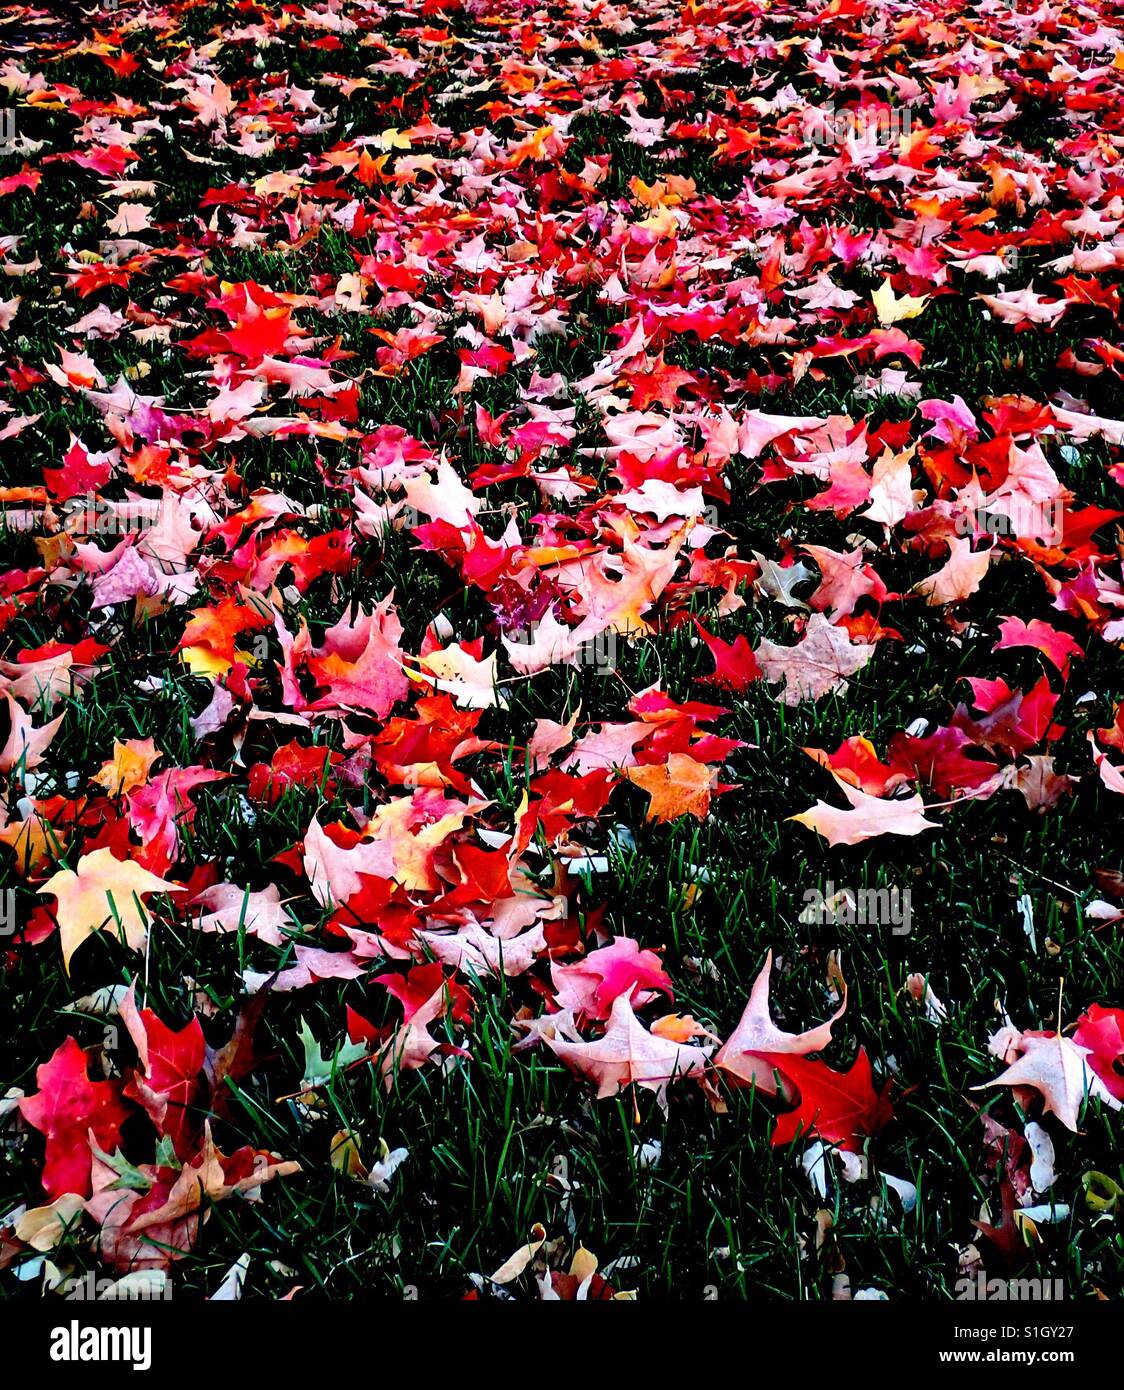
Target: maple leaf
x=778 y=581
x=618 y=588
x=658 y=382
x=149 y=1228
x=67 y=1107
x=236 y=1058
x=50 y=673
x=1058 y=1068
x=891 y=310
x=207 y=644
x=399 y=842
x=25 y=745
x=42 y=1228
x=211 y=100
x=129 y=767
x=867 y=817
x=261 y=323
x=1024 y=306
x=940 y=760
x=744 y=1055
x=1058 y=648
x=103 y=893
x=1006 y=1153
x=856 y=761
x=1101 y=1030
x=82 y=472
x=680 y=1028
x=589 y=987
x=549 y=737
x=1013 y=720
x=553 y=643
x=1040 y=785
x=757 y=430
x=168 y=1081
x=818 y=664
x=478 y=951
x=735 y=665
x=892 y=495
x=129 y=219
x=412 y=1045
x=628 y=1055
x=470 y=682
x=335 y=870
x=958 y=577
x=33 y=841
x=1008 y=1237
x=846 y=579
x=415 y=989
x=227 y=908
x=360 y=663
x=159 y=807
x=1108 y=772
x=840 y=1107
x=115 y=1204
x=611 y=746
x=679 y=787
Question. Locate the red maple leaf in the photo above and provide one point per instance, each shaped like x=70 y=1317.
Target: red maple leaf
x=660 y=383
x=419 y=986
x=838 y=1106
x=80 y=472
x=67 y=1108
x=735 y=666
x=1101 y=1030
x=167 y=1082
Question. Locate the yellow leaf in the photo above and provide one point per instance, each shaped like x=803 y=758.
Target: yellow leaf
x=679 y=787
x=129 y=767
x=33 y=841
x=678 y=1028
x=345 y=1156
x=104 y=892
x=513 y=1267
x=891 y=310
x=43 y=1227
x=201 y=661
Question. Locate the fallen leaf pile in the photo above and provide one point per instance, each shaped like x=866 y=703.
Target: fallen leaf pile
x=388 y=396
